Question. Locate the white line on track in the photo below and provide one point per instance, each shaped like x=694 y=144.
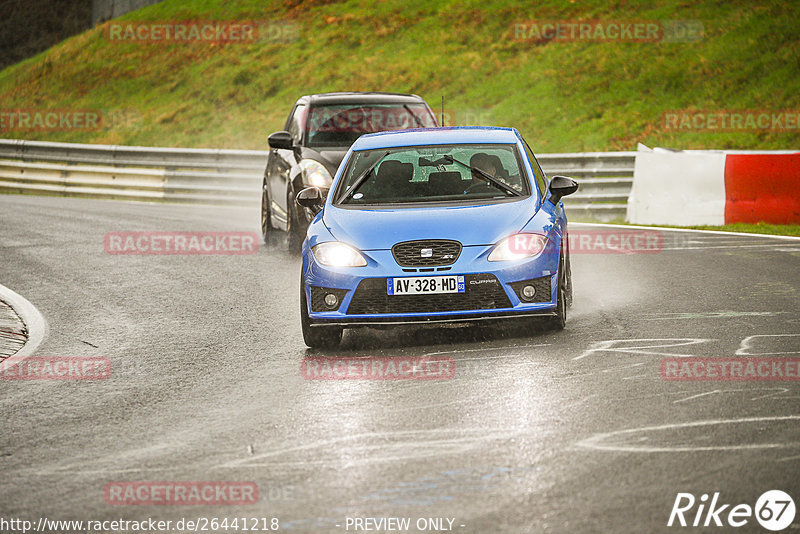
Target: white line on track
x=746 y=345
x=777 y=393
x=696 y=396
x=666 y=229
x=772 y=246
x=596 y=441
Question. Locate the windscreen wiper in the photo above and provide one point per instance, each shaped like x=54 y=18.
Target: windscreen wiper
x=489 y=178
x=419 y=122
x=361 y=179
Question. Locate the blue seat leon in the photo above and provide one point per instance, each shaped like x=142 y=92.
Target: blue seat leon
x=435 y=225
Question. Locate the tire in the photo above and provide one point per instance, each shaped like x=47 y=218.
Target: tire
x=316 y=337
x=558 y=322
x=294 y=239
x=269 y=234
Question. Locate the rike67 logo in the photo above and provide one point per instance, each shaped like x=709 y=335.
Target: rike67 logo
x=774 y=510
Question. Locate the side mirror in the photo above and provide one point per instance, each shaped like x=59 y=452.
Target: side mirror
x=561 y=186
x=311 y=198
x=281 y=140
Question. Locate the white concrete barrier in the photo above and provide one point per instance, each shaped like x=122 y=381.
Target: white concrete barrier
x=677 y=188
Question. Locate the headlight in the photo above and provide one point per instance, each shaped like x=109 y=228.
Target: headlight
x=518 y=246
x=315 y=173
x=335 y=254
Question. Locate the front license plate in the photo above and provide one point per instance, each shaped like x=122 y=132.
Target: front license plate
x=425 y=285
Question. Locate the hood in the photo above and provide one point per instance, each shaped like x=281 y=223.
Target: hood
x=376 y=229
x=331 y=157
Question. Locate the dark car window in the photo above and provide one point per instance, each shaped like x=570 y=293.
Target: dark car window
x=424 y=174
x=339 y=125
x=541 y=181
x=295 y=124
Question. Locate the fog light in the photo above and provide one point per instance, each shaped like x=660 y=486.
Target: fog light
x=330 y=300
x=528 y=292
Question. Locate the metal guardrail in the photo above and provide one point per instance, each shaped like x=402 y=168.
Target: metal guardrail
x=605 y=179
x=233 y=177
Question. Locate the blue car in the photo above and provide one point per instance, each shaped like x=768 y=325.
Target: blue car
x=436 y=224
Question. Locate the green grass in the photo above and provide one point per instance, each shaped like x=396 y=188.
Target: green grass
x=564 y=97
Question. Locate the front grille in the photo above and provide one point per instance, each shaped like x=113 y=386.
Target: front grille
x=439 y=252
x=318 y=298
x=482 y=292
x=542 y=286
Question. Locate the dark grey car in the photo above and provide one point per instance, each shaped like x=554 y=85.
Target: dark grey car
x=317 y=135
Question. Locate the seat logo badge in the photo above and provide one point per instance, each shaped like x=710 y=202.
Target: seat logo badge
x=426 y=253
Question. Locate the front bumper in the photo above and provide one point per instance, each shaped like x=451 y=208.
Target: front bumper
x=492 y=290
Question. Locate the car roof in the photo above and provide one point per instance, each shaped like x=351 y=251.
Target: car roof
x=354 y=97
x=438 y=136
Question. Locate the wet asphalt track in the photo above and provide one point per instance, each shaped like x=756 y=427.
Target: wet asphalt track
x=206 y=386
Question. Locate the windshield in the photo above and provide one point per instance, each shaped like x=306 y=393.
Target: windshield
x=433 y=173
x=340 y=125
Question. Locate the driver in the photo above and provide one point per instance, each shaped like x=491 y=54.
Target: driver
x=482 y=161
